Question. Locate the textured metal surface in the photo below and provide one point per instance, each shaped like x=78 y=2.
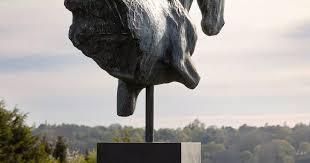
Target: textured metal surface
x=212 y=16
x=141 y=42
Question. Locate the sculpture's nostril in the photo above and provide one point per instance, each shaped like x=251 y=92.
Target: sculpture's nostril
x=210 y=31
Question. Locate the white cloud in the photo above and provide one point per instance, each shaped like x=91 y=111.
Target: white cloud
x=252 y=67
x=34 y=28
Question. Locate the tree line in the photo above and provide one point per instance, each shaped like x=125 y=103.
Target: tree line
x=19 y=145
x=246 y=144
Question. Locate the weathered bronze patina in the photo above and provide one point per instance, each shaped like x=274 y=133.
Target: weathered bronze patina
x=142 y=42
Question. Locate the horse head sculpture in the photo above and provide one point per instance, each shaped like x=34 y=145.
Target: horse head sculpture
x=212 y=16
x=142 y=42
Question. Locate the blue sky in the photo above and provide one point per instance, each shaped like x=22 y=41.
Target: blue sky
x=256 y=71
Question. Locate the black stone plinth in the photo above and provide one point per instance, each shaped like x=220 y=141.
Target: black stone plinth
x=149 y=153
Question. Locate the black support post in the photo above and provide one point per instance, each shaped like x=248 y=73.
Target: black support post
x=149 y=128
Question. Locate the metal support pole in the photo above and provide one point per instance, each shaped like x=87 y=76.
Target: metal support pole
x=149 y=128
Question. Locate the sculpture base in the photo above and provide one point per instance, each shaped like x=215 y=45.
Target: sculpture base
x=149 y=153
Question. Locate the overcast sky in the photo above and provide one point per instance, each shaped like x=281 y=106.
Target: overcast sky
x=256 y=71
